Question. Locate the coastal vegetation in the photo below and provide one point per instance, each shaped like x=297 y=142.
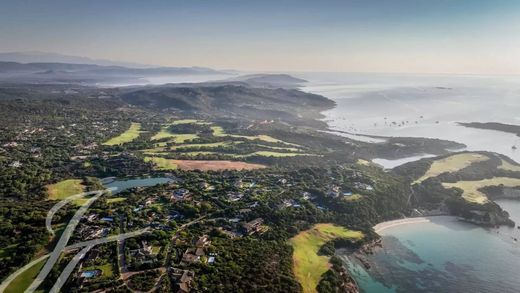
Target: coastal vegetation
x=505 y=165
x=451 y=164
x=472 y=189
x=309 y=265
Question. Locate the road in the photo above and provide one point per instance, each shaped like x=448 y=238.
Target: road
x=67 y=233
x=61 y=245
x=59 y=205
x=118 y=237
x=88 y=245
x=92 y=243
x=68 y=269
x=13 y=276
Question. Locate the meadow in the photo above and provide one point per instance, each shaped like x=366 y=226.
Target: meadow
x=308 y=265
x=127 y=136
x=64 y=189
x=452 y=163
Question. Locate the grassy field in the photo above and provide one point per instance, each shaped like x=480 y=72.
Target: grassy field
x=24 y=280
x=162 y=163
x=177 y=138
x=107 y=268
x=451 y=164
x=308 y=265
x=289 y=149
x=194 y=154
x=271 y=154
x=203 y=145
x=353 y=197
x=509 y=167
x=63 y=189
x=219 y=132
x=116 y=199
x=215 y=165
x=471 y=188
x=127 y=136
x=189 y=121
x=363 y=162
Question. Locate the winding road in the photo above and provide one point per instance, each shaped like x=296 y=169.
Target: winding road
x=59 y=205
x=60 y=247
x=64 y=239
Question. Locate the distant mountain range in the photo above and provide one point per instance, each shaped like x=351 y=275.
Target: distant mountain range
x=270 y=80
x=46 y=57
x=57 y=72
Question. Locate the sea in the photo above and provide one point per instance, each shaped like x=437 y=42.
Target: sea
x=444 y=255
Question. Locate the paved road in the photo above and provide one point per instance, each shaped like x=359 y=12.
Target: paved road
x=88 y=245
x=67 y=233
x=118 y=237
x=68 y=269
x=92 y=243
x=59 y=205
x=13 y=276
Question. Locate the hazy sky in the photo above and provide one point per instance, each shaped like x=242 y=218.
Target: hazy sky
x=456 y=36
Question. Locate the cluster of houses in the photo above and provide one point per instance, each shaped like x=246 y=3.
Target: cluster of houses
x=254 y=226
x=142 y=255
x=88 y=232
x=183 y=279
x=197 y=253
x=181 y=194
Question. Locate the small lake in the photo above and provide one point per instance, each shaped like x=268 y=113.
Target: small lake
x=121 y=185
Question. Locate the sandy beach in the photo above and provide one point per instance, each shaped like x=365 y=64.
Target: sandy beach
x=406 y=221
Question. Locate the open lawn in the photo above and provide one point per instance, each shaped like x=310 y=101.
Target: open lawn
x=271 y=154
x=24 y=280
x=509 y=167
x=276 y=154
x=215 y=165
x=353 y=197
x=219 y=132
x=116 y=199
x=177 y=138
x=162 y=163
x=63 y=189
x=107 y=268
x=194 y=154
x=451 y=164
x=280 y=148
x=127 y=136
x=471 y=188
x=363 y=162
x=202 y=145
x=308 y=265
x=189 y=121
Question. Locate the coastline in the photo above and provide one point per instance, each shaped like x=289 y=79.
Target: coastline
x=380 y=227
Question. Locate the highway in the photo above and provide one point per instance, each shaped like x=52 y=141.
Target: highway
x=88 y=245
x=64 y=239
x=91 y=243
x=13 y=276
x=59 y=205
x=68 y=270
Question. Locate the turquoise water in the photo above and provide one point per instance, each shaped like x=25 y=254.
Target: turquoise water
x=444 y=256
x=121 y=185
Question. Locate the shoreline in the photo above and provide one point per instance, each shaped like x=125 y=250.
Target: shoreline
x=380 y=227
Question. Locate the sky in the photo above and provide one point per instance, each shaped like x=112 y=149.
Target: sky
x=415 y=36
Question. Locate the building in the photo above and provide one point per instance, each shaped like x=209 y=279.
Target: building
x=183 y=279
x=253 y=226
